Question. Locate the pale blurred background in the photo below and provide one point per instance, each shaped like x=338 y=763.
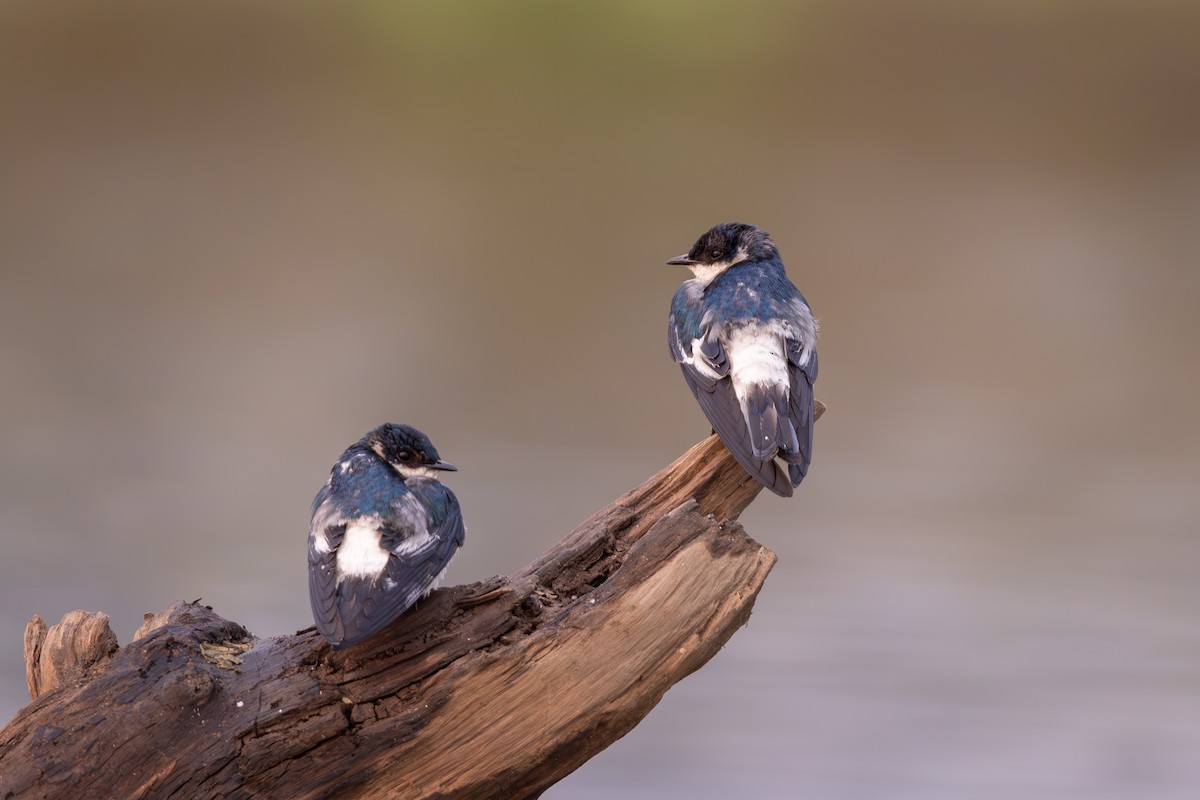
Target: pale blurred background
x=236 y=236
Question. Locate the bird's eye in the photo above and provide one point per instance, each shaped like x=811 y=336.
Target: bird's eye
x=406 y=455
x=716 y=253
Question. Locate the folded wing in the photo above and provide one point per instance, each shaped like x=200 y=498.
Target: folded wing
x=356 y=607
x=705 y=366
x=802 y=370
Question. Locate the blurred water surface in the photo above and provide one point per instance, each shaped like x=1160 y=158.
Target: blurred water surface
x=234 y=237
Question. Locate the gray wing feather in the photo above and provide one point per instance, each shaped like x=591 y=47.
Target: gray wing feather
x=720 y=405
x=322 y=578
x=800 y=410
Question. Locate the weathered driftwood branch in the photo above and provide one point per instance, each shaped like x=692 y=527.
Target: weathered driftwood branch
x=493 y=690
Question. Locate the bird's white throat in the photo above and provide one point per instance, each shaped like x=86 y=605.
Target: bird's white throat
x=707 y=273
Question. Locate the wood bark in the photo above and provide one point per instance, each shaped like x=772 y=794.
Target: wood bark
x=491 y=690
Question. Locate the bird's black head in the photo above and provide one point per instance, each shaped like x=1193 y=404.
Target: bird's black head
x=727 y=244
x=406 y=449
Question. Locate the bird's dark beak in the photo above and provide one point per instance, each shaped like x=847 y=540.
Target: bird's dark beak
x=683 y=261
x=446 y=465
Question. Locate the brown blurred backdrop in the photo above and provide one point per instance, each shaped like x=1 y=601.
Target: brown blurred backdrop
x=235 y=236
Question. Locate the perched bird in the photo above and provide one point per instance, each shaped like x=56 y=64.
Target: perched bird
x=383 y=530
x=746 y=340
